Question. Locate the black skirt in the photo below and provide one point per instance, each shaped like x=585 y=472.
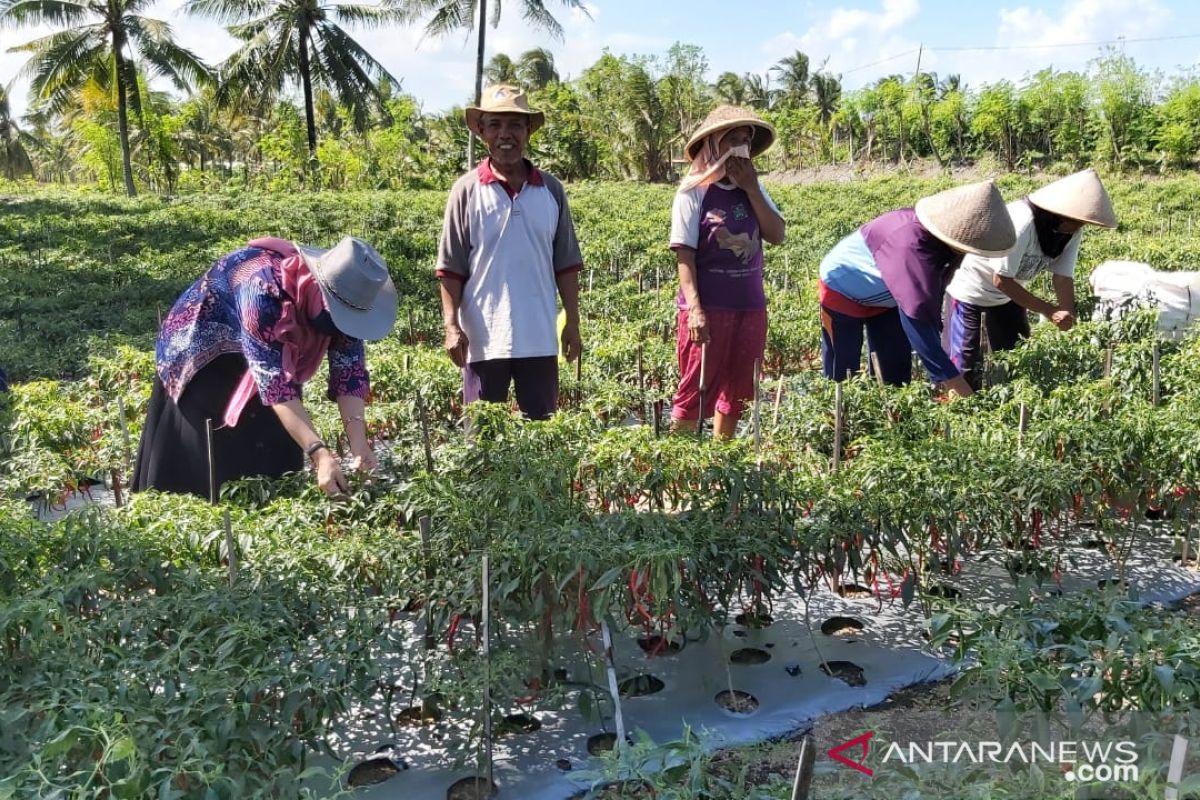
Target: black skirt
x=173 y=451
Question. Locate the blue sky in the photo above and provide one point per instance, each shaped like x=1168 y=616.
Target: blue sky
x=862 y=39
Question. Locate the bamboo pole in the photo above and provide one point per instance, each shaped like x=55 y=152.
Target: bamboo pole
x=837 y=426
x=613 y=689
x=231 y=559
x=703 y=378
x=802 y=783
x=424 y=525
x=1155 y=375
x=424 y=419
x=756 y=416
x=1022 y=425
x=487 y=676
x=212 y=464
x=876 y=368
x=778 y=398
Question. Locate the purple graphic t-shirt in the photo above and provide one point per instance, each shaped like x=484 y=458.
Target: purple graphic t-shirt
x=718 y=222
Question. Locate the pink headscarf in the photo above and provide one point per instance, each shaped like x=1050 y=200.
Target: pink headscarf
x=708 y=166
x=304 y=346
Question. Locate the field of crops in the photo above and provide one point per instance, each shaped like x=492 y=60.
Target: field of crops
x=138 y=663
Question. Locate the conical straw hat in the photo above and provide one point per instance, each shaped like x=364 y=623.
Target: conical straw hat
x=1080 y=197
x=970 y=218
x=723 y=118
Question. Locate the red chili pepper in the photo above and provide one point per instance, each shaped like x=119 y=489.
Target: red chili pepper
x=454 y=622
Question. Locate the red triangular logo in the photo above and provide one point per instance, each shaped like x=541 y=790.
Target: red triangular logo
x=858 y=741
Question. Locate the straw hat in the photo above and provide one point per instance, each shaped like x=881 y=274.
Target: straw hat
x=357 y=288
x=969 y=218
x=723 y=118
x=1080 y=197
x=503 y=99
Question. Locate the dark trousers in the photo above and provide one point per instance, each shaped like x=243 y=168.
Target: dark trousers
x=1006 y=325
x=535 y=381
x=842 y=341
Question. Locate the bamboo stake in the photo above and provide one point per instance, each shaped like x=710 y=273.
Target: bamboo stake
x=658 y=409
x=579 y=379
x=804 y=769
x=700 y=414
x=876 y=368
x=778 y=398
x=423 y=525
x=231 y=560
x=212 y=465
x=837 y=426
x=1022 y=424
x=1108 y=361
x=487 y=677
x=613 y=689
x=756 y=417
x=1155 y=375
x=425 y=432
x=124 y=432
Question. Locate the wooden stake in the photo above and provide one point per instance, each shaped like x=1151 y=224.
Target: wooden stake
x=837 y=426
x=778 y=398
x=579 y=379
x=124 y=432
x=703 y=378
x=487 y=676
x=118 y=495
x=1108 y=361
x=658 y=409
x=613 y=689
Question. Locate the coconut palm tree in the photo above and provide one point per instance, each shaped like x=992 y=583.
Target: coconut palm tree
x=794 y=76
x=730 y=88
x=827 y=94
x=535 y=68
x=500 y=69
x=99 y=41
x=448 y=16
x=15 y=143
x=759 y=93
x=300 y=41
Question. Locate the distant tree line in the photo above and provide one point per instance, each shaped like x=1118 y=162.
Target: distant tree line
x=301 y=104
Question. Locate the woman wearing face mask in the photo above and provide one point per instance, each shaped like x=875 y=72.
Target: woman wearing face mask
x=237 y=348
x=991 y=291
x=888 y=278
x=720 y=217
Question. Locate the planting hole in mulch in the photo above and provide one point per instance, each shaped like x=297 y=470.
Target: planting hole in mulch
x=373 y=770
x=1111 y=583
x=640 y=686
x=737 y=701
x=842 y=626
x=564 y=764
x=852 y=591
x=418 y=715
x=1192 y=561
x=749 y=655
x=471 y=789
x=943 y=591
x=1096 y=544
x=518 y=723
x=635 y=789
x=603 y=743
x=657 y=646
x=846 y=671
x=754 y=619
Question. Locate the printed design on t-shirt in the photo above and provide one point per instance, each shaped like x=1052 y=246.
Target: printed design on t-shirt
x=743 y=245
x=1031 y=265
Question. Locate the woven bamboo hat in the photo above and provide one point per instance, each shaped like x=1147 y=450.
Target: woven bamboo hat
x=723 y=118
x=1080 y=197
x=969 y=218
x=503 y=99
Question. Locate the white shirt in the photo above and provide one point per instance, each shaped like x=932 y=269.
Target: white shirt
x=972 y=282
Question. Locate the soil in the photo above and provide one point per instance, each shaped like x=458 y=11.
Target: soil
x=852 y=591
x=470 y=789
x=750 y=655
x=738 y=702
x=371 y=772
x=846 y=671
x=842 y=626
x=640 y=686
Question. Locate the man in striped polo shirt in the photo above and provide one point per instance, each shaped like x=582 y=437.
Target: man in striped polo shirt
x=508 y=252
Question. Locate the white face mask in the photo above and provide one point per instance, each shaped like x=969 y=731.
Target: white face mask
x=741 y=151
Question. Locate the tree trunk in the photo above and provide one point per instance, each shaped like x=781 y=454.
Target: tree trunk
x=123 y=114
x=478 y=77
x=310 y=119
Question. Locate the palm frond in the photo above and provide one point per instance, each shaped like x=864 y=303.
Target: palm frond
x=229 y=11
x=165 y=57
x=56 y=13
x=62 y=62
x=368 y=16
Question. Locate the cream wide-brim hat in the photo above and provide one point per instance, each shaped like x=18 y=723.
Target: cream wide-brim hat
x=1080 y=197
x=358 y=289
x=723 y=118
x=971 y=219
x=503 y=99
